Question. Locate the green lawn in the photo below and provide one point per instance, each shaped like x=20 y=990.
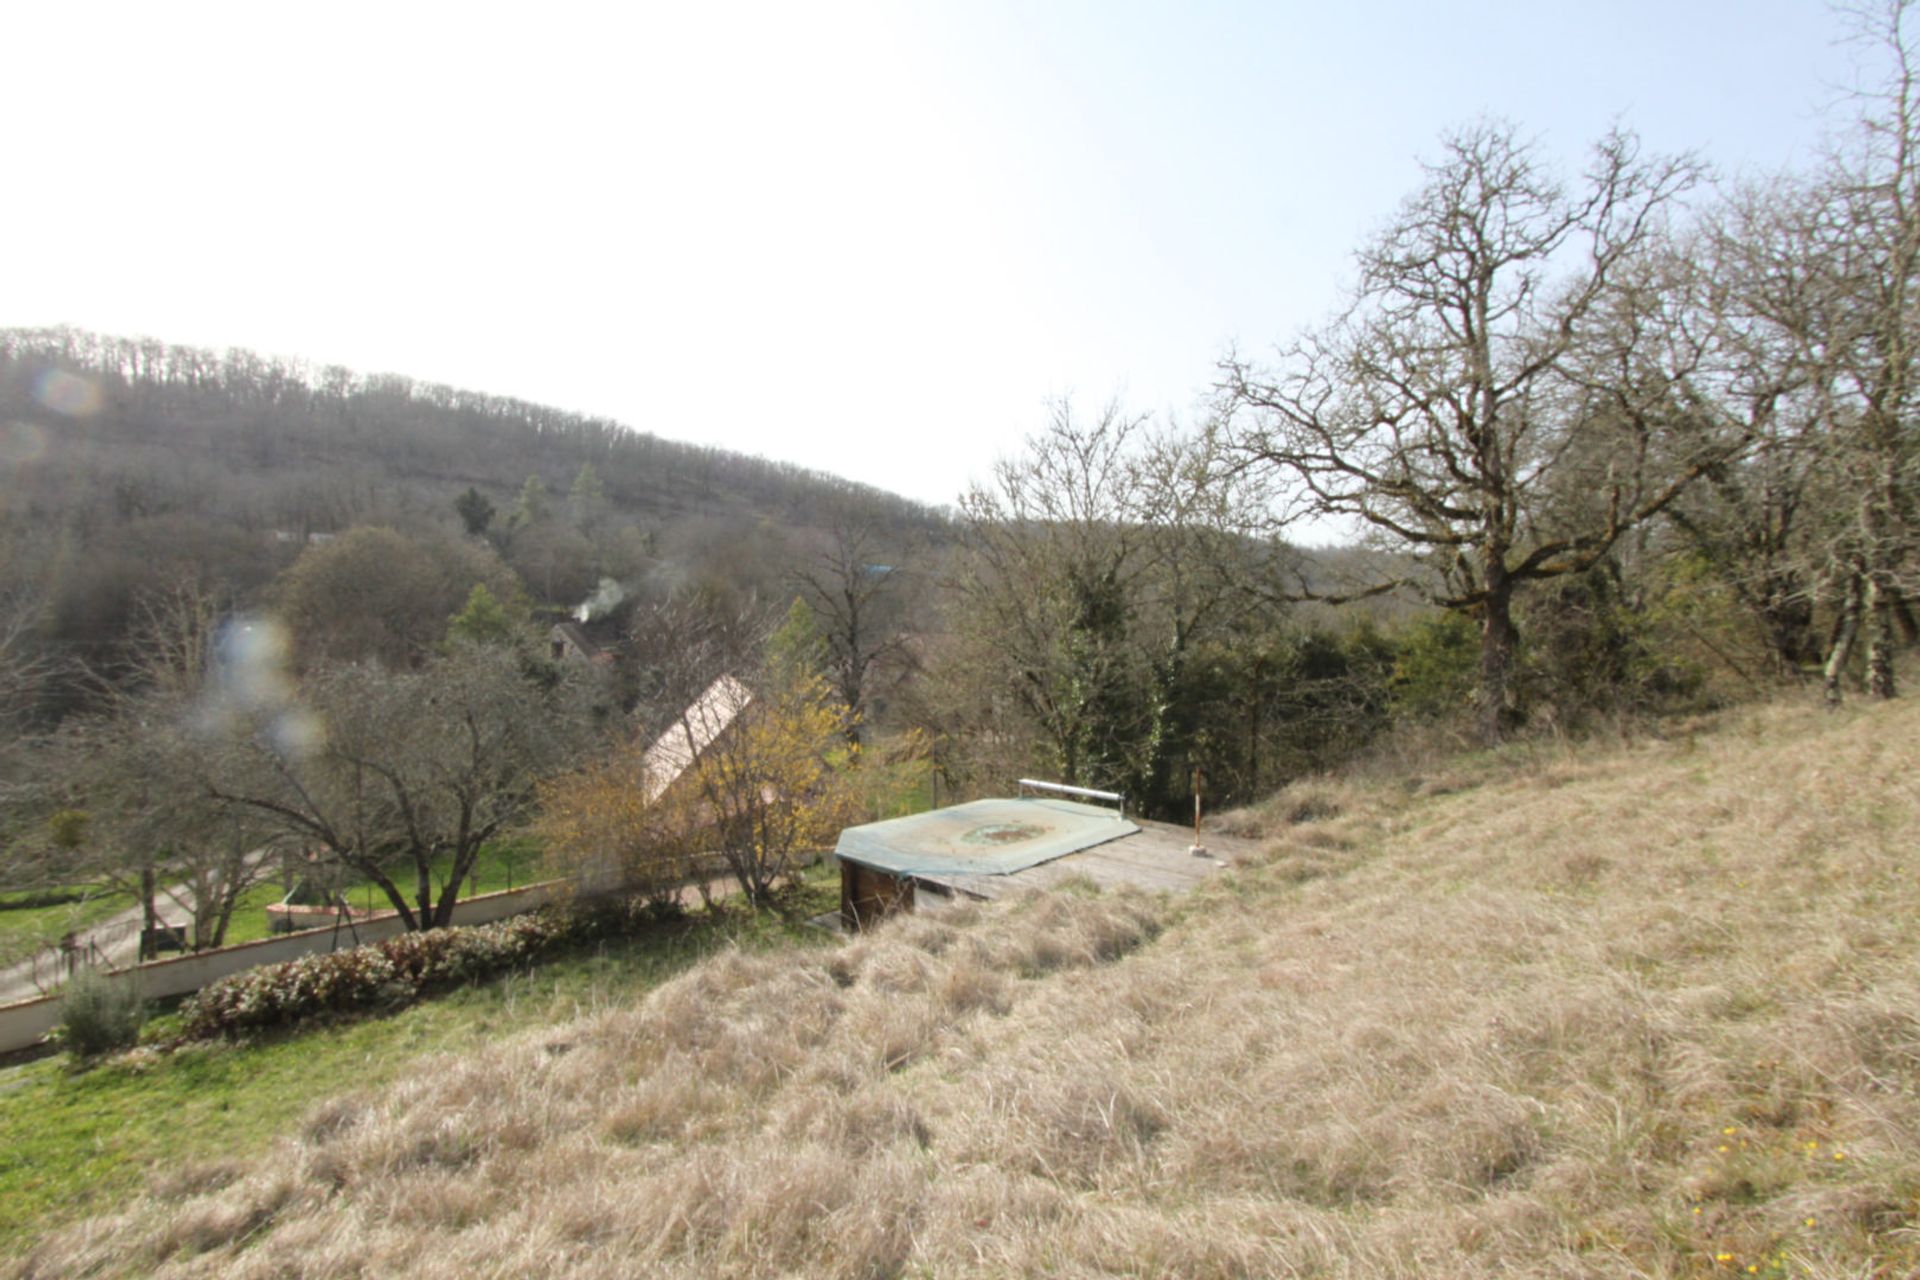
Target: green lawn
x=508 y=864
x=25 y=927
x=72 y=1143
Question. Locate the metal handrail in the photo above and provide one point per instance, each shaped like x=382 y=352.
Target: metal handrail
x=1061 y=788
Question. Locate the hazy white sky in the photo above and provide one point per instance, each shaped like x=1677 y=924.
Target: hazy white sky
x=872 y=239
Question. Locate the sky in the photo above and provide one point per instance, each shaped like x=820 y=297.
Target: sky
x=878 y=240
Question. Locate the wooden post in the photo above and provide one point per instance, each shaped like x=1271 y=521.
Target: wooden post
x=1197 y=849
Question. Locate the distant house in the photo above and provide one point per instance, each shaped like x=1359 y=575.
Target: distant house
x=569 y=642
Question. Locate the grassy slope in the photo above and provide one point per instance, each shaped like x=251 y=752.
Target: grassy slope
x=1642 y=1011
x=77 y=1142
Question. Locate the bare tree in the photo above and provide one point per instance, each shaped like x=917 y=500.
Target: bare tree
x=1813 y=295
x=1861 y=334
x=413 y=770
x=1751 y=518
x=27 y=673
x=1053 y=555
x=26 y=669
x=678 y=645
x=141 y=769
x=1096 y=569
x=153 y=830
x=1507 y=335
x=853 y=587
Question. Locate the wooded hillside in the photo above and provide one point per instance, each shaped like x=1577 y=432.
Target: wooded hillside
x=130 y=462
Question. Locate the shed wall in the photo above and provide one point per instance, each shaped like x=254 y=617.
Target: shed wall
x=868 y=896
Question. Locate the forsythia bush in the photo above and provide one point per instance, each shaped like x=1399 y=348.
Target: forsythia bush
x=387 y=972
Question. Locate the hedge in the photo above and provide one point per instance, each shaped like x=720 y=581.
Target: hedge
x=389 y=972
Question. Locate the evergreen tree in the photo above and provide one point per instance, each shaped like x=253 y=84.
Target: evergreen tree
x=796 y=650
x=476 y=511
x=587 y=499
x=533 y=504
x=483 y=620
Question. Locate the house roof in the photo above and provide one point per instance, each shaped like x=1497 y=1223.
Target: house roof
x=698 y=727
x=578 y=638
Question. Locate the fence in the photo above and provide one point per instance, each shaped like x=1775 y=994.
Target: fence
x=27 y=1022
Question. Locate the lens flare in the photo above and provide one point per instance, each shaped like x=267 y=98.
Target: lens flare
x=298 y=732
x=251 y=664
x=67 y=393
x=249 y=691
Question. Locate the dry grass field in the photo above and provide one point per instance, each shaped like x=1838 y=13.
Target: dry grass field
x=1642 y=1009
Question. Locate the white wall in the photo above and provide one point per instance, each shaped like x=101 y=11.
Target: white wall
x=26 y=1022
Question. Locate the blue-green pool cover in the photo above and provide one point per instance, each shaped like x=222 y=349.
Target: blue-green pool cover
x=982 y=837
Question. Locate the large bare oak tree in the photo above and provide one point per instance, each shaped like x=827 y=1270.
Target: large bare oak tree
x=1505 y=395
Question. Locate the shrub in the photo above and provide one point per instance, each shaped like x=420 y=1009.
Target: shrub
x=1436 y=667
x=99 y=1015
x=1591 y=649
x=391 y=971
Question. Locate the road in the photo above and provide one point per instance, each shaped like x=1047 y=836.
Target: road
x=118 y=939
x=114 y=941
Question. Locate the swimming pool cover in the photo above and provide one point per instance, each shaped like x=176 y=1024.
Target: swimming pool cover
x=982 y=837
